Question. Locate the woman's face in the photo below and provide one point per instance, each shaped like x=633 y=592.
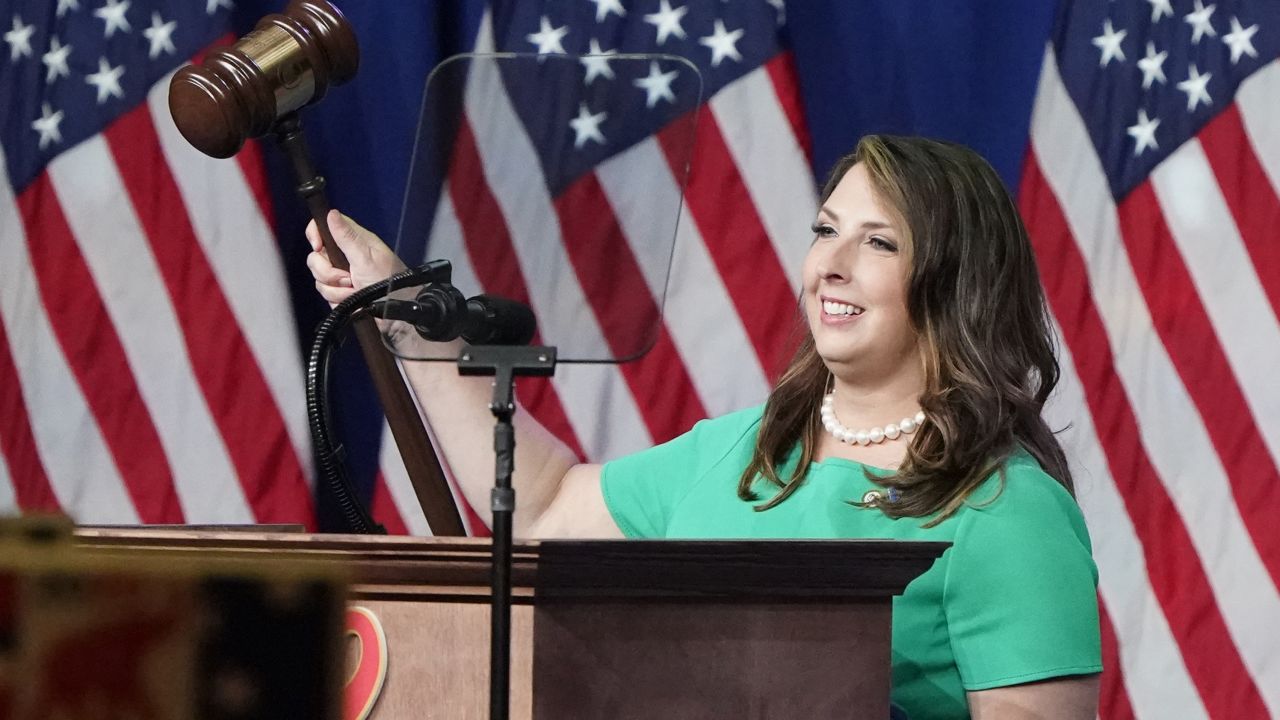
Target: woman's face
x=855 y=278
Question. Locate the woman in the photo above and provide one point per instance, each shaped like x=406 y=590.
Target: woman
x=911 y=411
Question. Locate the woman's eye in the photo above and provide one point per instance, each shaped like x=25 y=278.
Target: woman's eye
x=823 y=230
x=881 y=243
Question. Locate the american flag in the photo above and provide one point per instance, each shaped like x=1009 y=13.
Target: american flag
x=1150 y=191
x=148 y=360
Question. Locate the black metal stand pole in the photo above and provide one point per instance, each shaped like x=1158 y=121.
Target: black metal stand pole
x=504 y=363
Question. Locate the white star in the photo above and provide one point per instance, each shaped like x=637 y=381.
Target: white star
x=47 y=126
x=587 y=127
x=211 y=6
x=19 y=39
x=113 y=14
x=107 y=80
x=667 y=21
x=56 y=60
x=1160 y=8
x=65 y=5
x=1196 y=86
x=723 y=44
x=1109 y=43
x=1199 y=22
x=548 y=38
x=656 y=85
x=1152 y=66
x=1240 y=40
x=1144 y=133
x=604 y=7
x=160 y=35
x=597 y=63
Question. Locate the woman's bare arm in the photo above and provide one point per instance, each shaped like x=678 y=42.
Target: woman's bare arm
x=1069 y=698
x=555 y=497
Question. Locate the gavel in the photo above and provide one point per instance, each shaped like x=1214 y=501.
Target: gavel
x=256 y=87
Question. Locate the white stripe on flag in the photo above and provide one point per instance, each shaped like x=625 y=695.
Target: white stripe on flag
x=1171 y=430
x=1155 y=676
x=399 y=486
x=135 y=298
x=446 y=242
x=772 y=164
x=1260 y=112
x=697 y=311
x=241 y=248
x=596 y=399
x=8 y=493
x=1225 y=279
x=81 y=470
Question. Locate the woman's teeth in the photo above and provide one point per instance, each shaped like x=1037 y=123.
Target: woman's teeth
x=831 y=307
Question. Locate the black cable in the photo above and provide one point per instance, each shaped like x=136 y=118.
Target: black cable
x=329 y=458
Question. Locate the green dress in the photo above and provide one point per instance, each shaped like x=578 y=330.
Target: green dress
x=1012 y=601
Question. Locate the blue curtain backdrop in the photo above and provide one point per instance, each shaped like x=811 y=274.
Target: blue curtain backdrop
x=961 y=71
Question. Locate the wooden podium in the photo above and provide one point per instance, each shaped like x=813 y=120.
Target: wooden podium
x=611 y=629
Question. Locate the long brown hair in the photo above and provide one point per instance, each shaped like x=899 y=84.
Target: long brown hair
x=975 y=302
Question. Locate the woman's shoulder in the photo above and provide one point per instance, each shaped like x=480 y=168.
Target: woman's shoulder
x=733 y=425
x=707 y=441
x=1020 y=491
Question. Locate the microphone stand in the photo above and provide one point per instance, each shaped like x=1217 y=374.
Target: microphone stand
x=504 y=363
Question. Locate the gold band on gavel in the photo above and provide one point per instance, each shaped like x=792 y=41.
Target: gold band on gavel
x=287 y=62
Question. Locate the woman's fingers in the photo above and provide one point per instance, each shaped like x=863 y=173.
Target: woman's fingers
x=313 y=236
x=333 y=295
x=325 y=273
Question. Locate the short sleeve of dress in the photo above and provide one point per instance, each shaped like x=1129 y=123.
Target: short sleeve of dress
x=642 y=490
x=1021 y=587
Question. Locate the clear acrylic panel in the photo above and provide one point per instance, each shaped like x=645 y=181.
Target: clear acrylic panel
x=555 y=181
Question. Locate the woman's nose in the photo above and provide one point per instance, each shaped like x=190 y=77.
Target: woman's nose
x=836 y=263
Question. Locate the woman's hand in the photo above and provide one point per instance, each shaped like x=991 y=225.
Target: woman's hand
x=370 y=258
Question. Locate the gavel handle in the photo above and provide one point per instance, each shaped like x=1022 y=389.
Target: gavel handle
x=419 y=456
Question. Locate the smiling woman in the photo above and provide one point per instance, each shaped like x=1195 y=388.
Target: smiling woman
x=910 y=411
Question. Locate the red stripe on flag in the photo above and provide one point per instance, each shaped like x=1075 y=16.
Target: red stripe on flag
x=232 y=383
x=31 y=486
x=786 y=84
x=1249 y=195
x=96 y=355
x=624 y=306
x=1113 y=699
x=1176 y=575
x=475 y=525
x=735 y=237
x=1188 y=335
x=383 y=508
x=493 y=255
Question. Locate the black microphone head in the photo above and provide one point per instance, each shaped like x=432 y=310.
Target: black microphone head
x=493 y=320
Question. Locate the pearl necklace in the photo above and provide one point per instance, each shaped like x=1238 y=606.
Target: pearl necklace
x=892 y=431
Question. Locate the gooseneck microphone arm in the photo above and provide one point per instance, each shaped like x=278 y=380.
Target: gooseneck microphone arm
x=354 y=310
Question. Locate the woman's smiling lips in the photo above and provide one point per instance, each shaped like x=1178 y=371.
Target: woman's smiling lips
x=839 y=312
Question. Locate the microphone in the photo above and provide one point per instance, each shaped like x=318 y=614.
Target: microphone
x=493 y=320
x=439 y=313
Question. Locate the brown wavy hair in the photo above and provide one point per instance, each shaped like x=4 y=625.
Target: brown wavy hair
x=975 y=301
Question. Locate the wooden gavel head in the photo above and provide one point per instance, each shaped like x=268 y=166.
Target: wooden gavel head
x=287 y=62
